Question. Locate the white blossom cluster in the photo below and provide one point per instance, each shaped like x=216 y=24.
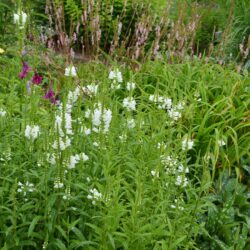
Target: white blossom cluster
x=161 y=101
x=101 y=119
x=74 y=159
x=187 y=144
x=131 y=123
x=20 y=19
x=176 y=205
x=32 y=131
x=130 y=86
x=94 y=195
x=221 y=142
x=116 y=77
x=155 y=173
x=174 y=167
x=6 y=156
x=90 y=90
x=25 y=188
x=175 y=111
x=61 y=143
x=197 y=96
x=65 y=118
x=162 y=145
x=58 y=183
x=2 y=113
x=129 y=103
x=70 y=71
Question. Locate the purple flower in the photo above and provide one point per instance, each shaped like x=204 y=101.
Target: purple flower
x=25 y=70
x=51 y=96
x=37 y=79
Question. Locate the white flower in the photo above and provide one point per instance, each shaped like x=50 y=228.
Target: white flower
x=96 y=144
x=74 y=159
x=51 y=159
x=101 y=117
x=84 y=157
x=168 y=161
x=20 y=19
x=70 y=71
x=107 y=117
x=180 y=106
x=73 y=96
x=96 y=117
x=58 y=184
x=58 y=125
x=153 y=98
x=175 y=115
x=130 y=86
x=25 y=188
x=94 y=195
x=161 y=101
x=68 y=124
x=129 y=103
x=181 y=181
x=61 y=144
x=115 y=86
x=90 y=89
x=115 y=75
x=87 y=131
x=123 y=137
x=155 y=173
x=161 y=145
x=87 y=113
x=182 y=169
x=187 y=144
x=221 y=142
x=2 y=112
x=32 y=132
x=131 y=123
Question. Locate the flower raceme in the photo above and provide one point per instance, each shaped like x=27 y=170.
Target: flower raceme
x=70 y=71
x=51 y=96
x=32 y=132
x=25 y=70
x=20 y=19
x=115 y=75
x=129 y=103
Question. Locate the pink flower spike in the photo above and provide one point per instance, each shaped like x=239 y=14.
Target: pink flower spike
x=25 y=70
x=50 y=95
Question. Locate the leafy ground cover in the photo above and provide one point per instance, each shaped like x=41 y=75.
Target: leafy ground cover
x=106 y=157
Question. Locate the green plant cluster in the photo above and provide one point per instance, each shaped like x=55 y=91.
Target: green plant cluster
x=140 y=204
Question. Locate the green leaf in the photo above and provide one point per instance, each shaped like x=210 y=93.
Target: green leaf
x=33 y=224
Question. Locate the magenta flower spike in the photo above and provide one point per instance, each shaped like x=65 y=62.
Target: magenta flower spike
x=25 y=70
x=51 y=96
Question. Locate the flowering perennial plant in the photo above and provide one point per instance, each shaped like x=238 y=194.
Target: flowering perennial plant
x=116 y=77
x=32 y=131
x=94 y=195
x=129 y=103
x=2 y=113
x=70 y=71
x=20 y=19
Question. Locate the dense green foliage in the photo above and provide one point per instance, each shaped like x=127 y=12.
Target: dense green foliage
x=124 y=152
x=137 y=210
